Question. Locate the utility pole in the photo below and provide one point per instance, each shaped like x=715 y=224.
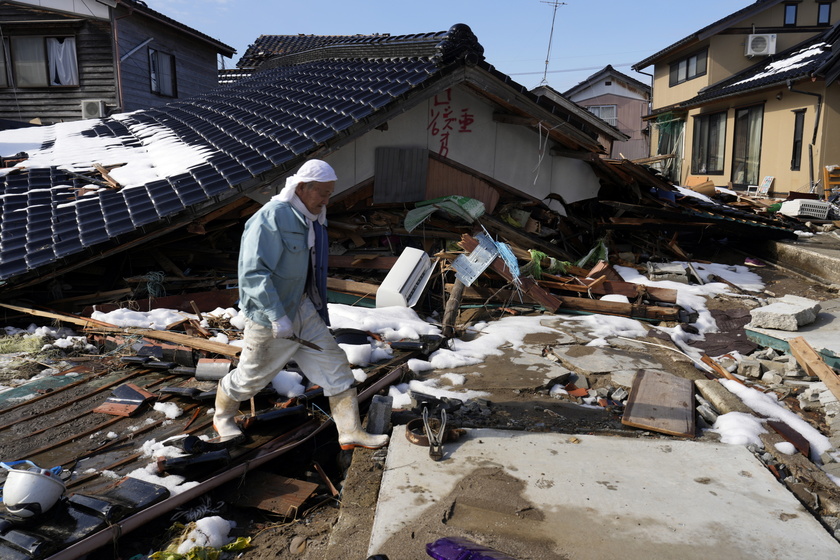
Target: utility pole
x=555 y=4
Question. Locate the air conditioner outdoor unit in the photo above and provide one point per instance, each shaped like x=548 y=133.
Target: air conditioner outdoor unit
x=93 y=108
x=761 y=44
x=405 y=282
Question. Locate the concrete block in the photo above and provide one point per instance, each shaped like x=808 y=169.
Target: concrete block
x=809 y=405
x=379 y=414
x=749 y=368
x=787 y=313
x=720 y=397
x=771 y=378
x=774 y=366
x=832 y=468
x=764 y=354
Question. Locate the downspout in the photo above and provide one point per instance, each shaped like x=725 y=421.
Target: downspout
x=817 y=113
x=117 y=65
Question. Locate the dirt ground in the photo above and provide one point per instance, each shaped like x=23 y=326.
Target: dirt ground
x=329 y=527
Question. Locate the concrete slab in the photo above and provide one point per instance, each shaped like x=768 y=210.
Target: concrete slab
x=551 y=496
x=823 y=334
x=595 y=359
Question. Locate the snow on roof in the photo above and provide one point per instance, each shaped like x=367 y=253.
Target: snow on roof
x=796 y=60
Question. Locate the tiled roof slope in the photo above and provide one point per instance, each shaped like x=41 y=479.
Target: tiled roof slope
x=239 y=137
x=267 y=46
x=815 y=57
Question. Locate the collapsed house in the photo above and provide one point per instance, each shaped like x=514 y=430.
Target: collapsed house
x=435 y=151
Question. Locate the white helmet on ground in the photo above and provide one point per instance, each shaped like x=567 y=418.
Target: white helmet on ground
x=31 y=492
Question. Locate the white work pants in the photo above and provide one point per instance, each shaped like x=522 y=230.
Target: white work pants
x=263 y=356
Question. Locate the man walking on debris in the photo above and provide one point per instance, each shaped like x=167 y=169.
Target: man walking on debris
x=283 y=294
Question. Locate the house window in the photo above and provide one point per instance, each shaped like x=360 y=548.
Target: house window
x=708 y=145
x=746 y=146
x=162 y=73
x=42 y=61
x=688 y=68
x=798 y=127
x=823 y=13
x=790 y=15
x=608 y=113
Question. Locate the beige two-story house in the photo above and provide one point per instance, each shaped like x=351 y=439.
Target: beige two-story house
x=750 y=96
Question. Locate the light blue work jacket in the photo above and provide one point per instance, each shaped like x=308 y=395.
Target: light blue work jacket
x=274 y=261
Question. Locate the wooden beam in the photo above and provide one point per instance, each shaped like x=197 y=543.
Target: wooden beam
x=813 y=363
x=362 y=289
x=177 y=338
x=65 y=317
x=379 y=262
x=507 y=118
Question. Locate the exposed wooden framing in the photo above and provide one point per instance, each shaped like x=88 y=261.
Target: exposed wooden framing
x=522 y=101
x=653 y=159
x=521 y=238
x=104 y=172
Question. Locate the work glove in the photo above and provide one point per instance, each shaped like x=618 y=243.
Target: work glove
x=282 y=327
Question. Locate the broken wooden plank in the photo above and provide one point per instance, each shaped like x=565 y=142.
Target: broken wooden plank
x=108 y=179
x=603 y=268
x=661 y=402
x=720 y=370
x=66 y=317
x=270 y=492
x=813 y=363
x=178 y=338
x=362 y=289
x=635 y=311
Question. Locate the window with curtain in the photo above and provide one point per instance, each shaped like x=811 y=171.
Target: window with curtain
x=162 y=73
x=608 y=113
x=798 y=128
x=43 y=61
x=746 y=148
x=707 y=155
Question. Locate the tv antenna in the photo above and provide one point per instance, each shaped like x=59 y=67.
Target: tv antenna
x=555 y=4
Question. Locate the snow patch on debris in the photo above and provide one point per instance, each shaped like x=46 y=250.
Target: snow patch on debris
x=768 y=405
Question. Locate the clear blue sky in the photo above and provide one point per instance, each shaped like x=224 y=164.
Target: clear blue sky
x=588 y=34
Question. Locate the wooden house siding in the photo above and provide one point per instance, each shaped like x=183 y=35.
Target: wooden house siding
x=95 y=62
x=195 y=62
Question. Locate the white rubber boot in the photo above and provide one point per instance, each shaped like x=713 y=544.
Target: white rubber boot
x=345 y=411
x=226 y=409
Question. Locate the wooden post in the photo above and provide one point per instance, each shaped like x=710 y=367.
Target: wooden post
x=450 y=312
